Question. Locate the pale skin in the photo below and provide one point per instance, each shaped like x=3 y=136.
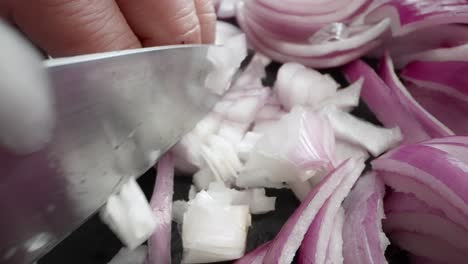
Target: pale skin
x=72 y=27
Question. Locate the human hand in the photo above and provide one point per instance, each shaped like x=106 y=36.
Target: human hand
x=72 y=27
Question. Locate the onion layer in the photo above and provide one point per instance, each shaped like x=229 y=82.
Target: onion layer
x=283 y=248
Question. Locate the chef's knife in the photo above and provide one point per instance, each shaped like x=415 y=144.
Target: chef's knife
x=115 y=113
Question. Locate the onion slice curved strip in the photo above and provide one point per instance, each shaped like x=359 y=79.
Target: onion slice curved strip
x=442 y=50
x=451 y=110
x=429 y=247
x=363 y=237
x=410 y=15
x=159 y=244
x=283 y=248
x=443 y=41
x=434 y=176
x=322 y=55
x=393 y=105
x=404 y=213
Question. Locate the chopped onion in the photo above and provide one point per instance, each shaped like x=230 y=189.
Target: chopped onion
x=356 y=131
x=298 y=85
x=213 y=230
x=283 y=248
x=178 y=210
x=255 y=199
x=221 y=157
x=127 y=256
x=247 y=144
x=253 y=74
x=187 y=153
x=363 y=237
x=203 y=178
x=256 y=256
x=159 y=244
x=345 y=99
x=226 y=8
x=345 y=150
x=129 y=215
x=295 y=148
x=224 y=31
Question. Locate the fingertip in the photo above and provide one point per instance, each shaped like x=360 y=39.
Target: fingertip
x=163 y=22
x=207 y=19
x=65 y=28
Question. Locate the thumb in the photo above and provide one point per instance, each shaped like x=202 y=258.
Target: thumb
x=26 y=105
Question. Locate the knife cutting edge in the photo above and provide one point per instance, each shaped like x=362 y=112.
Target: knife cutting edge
x=115 y=113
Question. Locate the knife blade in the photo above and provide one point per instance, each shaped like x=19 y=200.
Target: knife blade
x=115 y=114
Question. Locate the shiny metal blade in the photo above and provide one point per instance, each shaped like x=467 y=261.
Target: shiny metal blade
x=116 y=113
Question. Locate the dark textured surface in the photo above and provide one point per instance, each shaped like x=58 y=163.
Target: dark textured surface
x=93 y=243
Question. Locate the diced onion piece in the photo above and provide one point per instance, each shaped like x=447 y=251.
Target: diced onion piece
x=224 y=31
x=214 y=231
x=296 y=147
x=226 y=60
x=253 y=74
x=298 y=85
x=354 y=130
x=127 y=256
x=226 y=8
x=221 y=157
x=300 y=188
x=247 y=144
x=345 y=99
x=345 y=150
x=256 y=199
x=203 y=178
x=178 y=210
x=129 y=215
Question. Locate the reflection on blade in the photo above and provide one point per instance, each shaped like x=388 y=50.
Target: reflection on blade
x=115 y=115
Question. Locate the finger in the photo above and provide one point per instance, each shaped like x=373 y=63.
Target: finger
x=162 y=22
x=207 y=18
x=71 y=27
